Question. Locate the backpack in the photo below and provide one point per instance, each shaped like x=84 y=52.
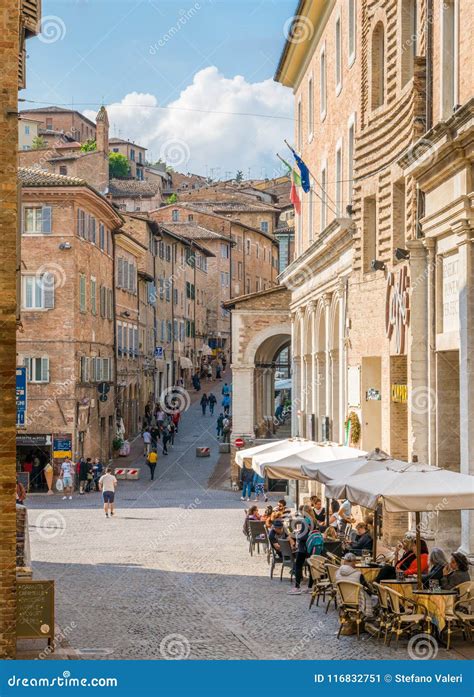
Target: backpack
x=315 y=543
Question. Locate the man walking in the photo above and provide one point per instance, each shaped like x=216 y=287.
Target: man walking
x=66 y=475
x=212 y=402
x=107 y=485
x=85 y=466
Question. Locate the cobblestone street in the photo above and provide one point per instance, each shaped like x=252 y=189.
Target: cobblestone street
x=170 y=576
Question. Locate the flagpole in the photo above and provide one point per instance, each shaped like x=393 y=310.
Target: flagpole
x=312 y=187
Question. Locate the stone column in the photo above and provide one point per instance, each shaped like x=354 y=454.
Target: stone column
x=328 y=378
x=430 y=245
x=342 y=359
x=466 y=365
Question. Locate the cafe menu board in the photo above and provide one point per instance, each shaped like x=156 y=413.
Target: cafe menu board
x=35 y=609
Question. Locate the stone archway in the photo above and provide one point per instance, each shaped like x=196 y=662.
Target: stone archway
x=261 y=330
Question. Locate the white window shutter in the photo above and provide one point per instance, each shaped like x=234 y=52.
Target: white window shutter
x=47 y=282
x=45 y=369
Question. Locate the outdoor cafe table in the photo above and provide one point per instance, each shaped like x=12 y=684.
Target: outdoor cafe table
x=369 y=572
x=405 y=588
x=438 y=604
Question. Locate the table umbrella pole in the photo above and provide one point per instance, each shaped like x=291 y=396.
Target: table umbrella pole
x=297 y=495
x=418 y=552
x=327 y=511
x=374 y=544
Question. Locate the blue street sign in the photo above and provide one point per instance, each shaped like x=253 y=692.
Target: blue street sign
x=159 y=352
x=21 y=396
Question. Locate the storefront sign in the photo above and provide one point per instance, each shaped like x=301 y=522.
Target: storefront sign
x=373 y=395
x=450 y=293
x=35 y=609
x=397 y=307
x=20 y=396
x=62 y=446
x=400 y=394
x=33 y=440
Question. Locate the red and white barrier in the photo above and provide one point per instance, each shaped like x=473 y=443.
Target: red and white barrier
x=133 y=473
x=121 y=472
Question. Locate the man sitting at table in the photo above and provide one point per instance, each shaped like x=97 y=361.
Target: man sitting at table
x=362 y=540
x=282 y=508
x=277 y=532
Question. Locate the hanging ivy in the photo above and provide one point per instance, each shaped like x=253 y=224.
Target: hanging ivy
x=353 y=419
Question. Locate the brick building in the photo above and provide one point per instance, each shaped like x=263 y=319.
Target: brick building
x=62 y=120
x=18 y=22
x=66 y=335
x=135 y=154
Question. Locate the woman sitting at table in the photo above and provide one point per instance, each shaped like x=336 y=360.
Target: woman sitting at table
x=437 y=563
x=362 y=541
x=266 y=516
x=407 y=564
x=456 y=572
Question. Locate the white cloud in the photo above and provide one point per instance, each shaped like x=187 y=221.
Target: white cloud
x=200 y=142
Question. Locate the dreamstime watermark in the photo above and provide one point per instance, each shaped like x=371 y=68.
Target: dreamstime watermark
x=423 y=400
x=175 y=152
x=298 y=29
x=175 y=647
x=308 y=636
x=60 y=391
x=184 y=17
x=51 y=276
x=52 y=29
x=50 y=524
x=173 y=398
x=176 y=523
x=422 y=647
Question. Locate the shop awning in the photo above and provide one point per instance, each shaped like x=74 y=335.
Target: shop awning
x=409 y=487
x=185 y=362
x=271 y=446
x=306 y=464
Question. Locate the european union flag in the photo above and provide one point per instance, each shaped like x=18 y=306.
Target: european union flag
x=304 y=171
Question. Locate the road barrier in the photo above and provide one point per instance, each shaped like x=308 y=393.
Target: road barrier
x=203 y=452
x=121 y=472
x=133 y=473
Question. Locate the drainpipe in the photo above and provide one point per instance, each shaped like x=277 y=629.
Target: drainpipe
x=114 y=301
x=173 y=374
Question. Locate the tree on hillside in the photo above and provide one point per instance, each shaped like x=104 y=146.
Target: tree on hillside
x=38 y=142
x=89 y=145
x=118 y=165
x=239 y=177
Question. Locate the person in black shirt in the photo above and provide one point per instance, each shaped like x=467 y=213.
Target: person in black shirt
x=363 y=540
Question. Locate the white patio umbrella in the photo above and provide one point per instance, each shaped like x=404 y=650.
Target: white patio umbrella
x=408 y=487
x=305 y=464
x=296 y=445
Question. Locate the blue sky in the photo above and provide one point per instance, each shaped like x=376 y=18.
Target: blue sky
x=169 y=52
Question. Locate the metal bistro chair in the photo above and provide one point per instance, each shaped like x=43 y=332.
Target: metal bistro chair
x=462 y=617
x=349 y=594
x=406 y=614
x=287 y=557
x=321 y=583
x=384 y=611
x=257 y=535
x=333 y=558
x=332 y=589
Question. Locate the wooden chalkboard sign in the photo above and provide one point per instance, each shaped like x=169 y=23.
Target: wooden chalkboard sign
x=35 y=609
x=24 y=478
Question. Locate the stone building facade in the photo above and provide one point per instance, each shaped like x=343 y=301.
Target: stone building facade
x=56 y=118
x=66 y=334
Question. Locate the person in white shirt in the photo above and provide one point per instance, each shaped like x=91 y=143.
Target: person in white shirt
x=67 y=471
x=146 y=441
x=107 y=485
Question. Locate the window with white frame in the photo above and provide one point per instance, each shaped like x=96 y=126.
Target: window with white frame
x=350 y=157
x=449 y=56
x=323 y=84
x=224 y=250
x=37 y=368
x=310 y=200
x=299 y=124
x=339 y=177
x=351 y=33
x=324 y=196
x=38 y=292
x=37 y=220
x=338 y=57
x=310 y=108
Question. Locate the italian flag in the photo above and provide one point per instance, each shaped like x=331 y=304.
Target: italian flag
x=295 y=181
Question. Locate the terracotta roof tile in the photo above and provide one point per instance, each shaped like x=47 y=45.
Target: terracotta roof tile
x=29 y=176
